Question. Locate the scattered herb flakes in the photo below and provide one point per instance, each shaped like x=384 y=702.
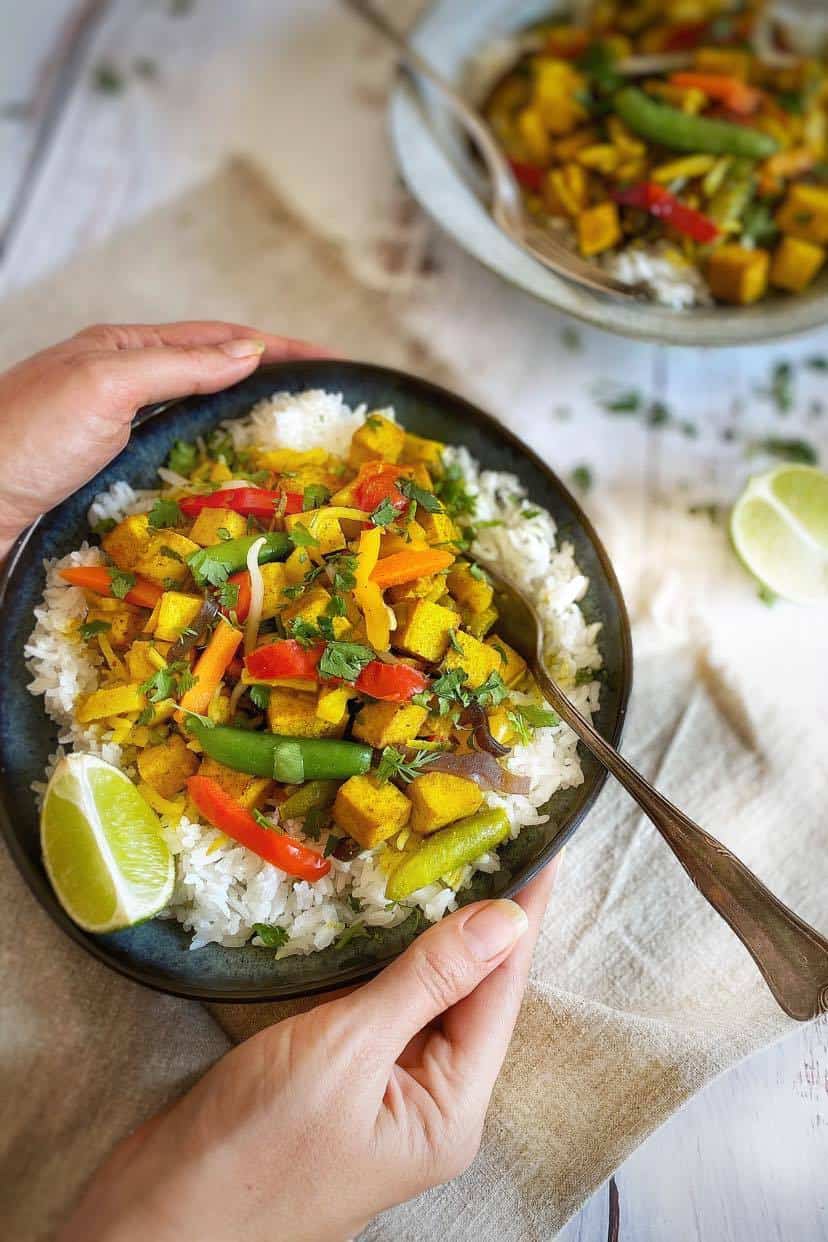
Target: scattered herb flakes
x=585 y=676
x=426 y=500
x=344 y=566
x=393 y=764
x=302 y=538
x=260 y=697
x=345 y=660
x=689 y=429
x=478 y=572
x=355 y=903
x=625 y=403
x=781 y=389
x=147 y=716
x=165 y=513
x=794 y=450
x=571 y=339
x=170 y=553
x=314 y=496
x=88 y=629
x=535 y=717
x=819 y=362
x=582 y=478
x=384 y=514
x=103 y=527
x=709 y=509
x=451 y=489
x=528 y=514
x=224 y=534
x=181 y=8
x=493 y=691
x=350 y=933
x=207 y=569
x=146 y=68
x=121 y=582
x=331 y=844
x=766 y=595
x=183 y=457
x=271 y=936
x=107 y=79
x=658 y=414
x=170 y=682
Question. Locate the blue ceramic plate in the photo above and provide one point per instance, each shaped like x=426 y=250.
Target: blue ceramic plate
x=156 y=952
x=440 y=172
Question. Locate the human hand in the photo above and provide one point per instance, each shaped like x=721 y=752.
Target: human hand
x=310 y=1128
x=67 y=411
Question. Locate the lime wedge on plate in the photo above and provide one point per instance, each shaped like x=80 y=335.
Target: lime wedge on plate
x=779 y=528
x=102 y=846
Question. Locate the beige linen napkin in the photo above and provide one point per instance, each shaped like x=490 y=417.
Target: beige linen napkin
x=639 y=995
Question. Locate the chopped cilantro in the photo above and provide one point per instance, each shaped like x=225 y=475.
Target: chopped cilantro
x=220 y=448
x=121 y=582
x=528 y=514
x=262 y=820
x=170 y=553
x=90 y=628
x=393 y=763
x=582 y=478
x=455 y=646
x=302 y=538
x=165 y=513
x=223 y=534
x=345 y=660
x=451 y=489
x=344 y=567
x=355 y=903
x=107 y=79
x=351 y=933
x=271 y=935
x=478 y=572
x=426 y=500
x=147 y=716
x=183 y=457
x=624 y=403
x=304 y=631
x=104 y=526
x=584 y=676
x=658 y=414
x=799 y=451
x=528 y=717
x=228 y=594
x=170 y=682
x=260 y=697
x=818 y=363
x=384 y=513
x=206 y=568
x=493 y=691
x=314 y=496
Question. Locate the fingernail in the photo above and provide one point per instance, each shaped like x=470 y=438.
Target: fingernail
x=243 y=349
x=494 y=928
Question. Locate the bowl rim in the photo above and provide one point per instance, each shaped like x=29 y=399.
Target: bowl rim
x=35 y=877
x=706 y=328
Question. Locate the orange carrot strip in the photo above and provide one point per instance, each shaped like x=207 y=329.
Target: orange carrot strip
x=732 y=92
x=405 y=566
x=98 y=578
x=211 y=667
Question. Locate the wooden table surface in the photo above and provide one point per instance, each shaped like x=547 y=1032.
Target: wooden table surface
x=110 y=106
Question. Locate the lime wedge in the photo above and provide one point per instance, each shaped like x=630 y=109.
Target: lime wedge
x=102 y=846
x=779 y=528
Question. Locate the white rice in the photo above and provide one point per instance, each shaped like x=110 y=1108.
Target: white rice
x=222 y=889
x=671 y=281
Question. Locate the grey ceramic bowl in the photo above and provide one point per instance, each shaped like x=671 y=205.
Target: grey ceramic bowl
x=156 y=952
x=440 y=172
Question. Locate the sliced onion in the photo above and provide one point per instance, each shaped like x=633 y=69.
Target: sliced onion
x=254 y=616
x=484 y=770
x=482 y=733
x=204 y=618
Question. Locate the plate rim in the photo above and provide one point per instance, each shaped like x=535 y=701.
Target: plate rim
x=35 y=878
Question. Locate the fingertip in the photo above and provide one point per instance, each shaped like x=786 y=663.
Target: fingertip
x=494 y=928
x=238 y=349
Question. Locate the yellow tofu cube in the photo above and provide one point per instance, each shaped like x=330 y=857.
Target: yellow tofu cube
x=389 y=724
x=378 y=439
x=127 y=542
x=370 y=812
x=165 y=557
x=730 y=61
x=738 y=275
x=111 y=701
x=322 y=525
x=166 y=767
x=795 y=264
x=470 y=586
x=533 y=133
x=124 y=621
x=477 y=660
x=310 y=607
x=478 y=624
x=418 y=449
x=210 y=522
x=293 y=714
x=512 y=666
x=412 y=537
x=249 y=791
x=423 y=629
x=437 y=527
x=804 y=213
x=438 y=798
x=297 y=565
x=599 y=228
x=176 y=611
x=140 y=666
x=275 y=579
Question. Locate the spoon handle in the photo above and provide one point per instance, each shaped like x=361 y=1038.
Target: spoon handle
x=792 y=957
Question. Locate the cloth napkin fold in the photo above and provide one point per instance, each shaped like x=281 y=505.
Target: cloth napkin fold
x=639 y=995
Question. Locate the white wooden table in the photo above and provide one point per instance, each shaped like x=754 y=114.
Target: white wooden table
x=110 y=106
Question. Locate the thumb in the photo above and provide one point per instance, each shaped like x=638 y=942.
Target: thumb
x=138 y=376
x=442 y=966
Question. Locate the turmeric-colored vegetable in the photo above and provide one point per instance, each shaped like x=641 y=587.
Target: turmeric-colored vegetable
x=405 y=566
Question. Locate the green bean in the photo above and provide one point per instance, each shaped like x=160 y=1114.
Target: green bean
x=682 y=132
x=448 y=849
x=215 y=564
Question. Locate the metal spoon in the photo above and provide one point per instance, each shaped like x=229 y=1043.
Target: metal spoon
x=792 y=957
x=507 y=207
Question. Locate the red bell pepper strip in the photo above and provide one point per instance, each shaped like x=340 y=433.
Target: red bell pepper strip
x=258 y=502
x=285 y=658
x=378 y=482
x=98 y=578
x=527 y=175
x=653 y=198
x=393 y=683
x=224 y=813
